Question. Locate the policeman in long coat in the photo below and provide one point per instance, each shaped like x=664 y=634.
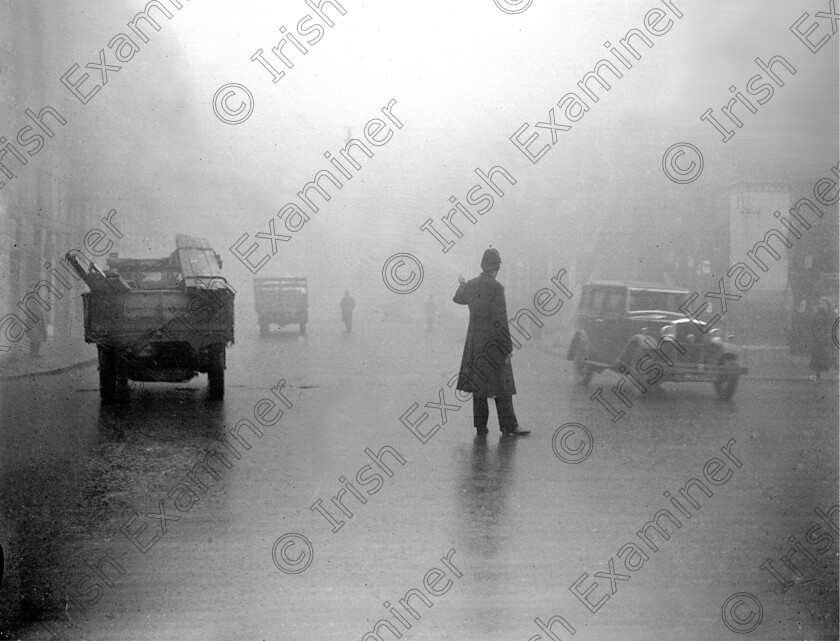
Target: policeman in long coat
x=486 y=371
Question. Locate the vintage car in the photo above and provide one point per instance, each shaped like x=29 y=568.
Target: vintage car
x=163 y=319
x=640 y=330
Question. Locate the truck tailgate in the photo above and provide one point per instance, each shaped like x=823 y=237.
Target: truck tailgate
x=145 y=311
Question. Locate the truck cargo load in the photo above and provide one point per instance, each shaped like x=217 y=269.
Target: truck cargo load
x=163 y=320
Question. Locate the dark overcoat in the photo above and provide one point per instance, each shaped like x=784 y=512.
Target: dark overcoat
x=485 y=370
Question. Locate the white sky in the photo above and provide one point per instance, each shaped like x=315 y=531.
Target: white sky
x=465 y=76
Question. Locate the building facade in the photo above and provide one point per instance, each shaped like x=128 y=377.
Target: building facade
x=37 y=219
x=790 y=240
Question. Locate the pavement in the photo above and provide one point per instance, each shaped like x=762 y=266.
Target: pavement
x=777 y=364
x=56 y=356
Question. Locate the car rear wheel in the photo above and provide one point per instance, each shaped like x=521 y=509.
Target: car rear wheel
x=303 y=328
x=107 y=374
x=727 y=381
x=216 y=373
x=583 y=370
x=264 y=327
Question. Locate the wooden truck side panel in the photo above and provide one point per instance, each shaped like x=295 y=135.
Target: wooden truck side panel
x=122 y=319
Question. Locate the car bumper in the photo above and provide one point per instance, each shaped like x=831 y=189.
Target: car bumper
x=698 y=372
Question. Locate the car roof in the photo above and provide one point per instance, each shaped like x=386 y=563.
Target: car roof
x=638 y=285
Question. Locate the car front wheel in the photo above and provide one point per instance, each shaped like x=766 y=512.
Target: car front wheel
x=727 y=380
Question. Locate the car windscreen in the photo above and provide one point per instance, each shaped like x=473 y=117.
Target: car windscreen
x=646 y=299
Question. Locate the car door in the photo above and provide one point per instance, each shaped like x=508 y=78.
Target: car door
x=595 y=323
x=612 y=331
x=583 y=319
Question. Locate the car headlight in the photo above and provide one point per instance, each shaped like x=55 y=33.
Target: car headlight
x=716 y=336
x=669 y=331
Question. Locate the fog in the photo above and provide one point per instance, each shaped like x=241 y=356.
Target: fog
x=381 y=148
x=465 y=76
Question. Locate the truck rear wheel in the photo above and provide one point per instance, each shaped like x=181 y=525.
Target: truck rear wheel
x=107 y=374
x=216 y=373
x=122 y=380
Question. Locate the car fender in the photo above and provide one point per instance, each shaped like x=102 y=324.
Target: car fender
x=579 y=336
x=728 y=349
x=636 y=341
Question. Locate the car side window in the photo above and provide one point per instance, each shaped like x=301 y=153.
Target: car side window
x=598 y=297
x=675 y=300
x=640 y=301
x=615 y=302
x=585 y=299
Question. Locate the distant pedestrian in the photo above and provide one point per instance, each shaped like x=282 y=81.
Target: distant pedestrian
x=486 y=371
x=823 y=352
x=347 y=306
x=431 y=312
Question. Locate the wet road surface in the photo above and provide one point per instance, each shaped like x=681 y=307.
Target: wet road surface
x=507 y=523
